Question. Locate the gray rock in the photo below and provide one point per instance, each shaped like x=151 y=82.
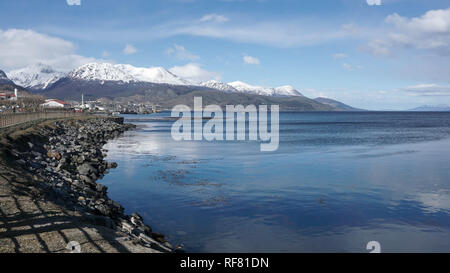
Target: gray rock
x=77 y=184
x=147 y=230
x=21 y=162
x=86 y=169
x=86 y=179
x=137 y=216
x=102 y=209
x=112 y=165
x=101 y=188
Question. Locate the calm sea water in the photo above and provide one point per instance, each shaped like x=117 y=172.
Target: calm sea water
x=338 y=181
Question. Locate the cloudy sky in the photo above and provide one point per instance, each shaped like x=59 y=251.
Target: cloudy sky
x=374 y=54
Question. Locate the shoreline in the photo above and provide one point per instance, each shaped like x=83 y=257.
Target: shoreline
x=49 y=195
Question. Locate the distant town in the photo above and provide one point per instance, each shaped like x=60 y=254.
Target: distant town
x=16 y=102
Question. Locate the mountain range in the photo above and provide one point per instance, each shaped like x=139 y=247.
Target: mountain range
x=7 y=85
x=35 y=77
x=126 y=83
x=41 y=77
x=431 y=108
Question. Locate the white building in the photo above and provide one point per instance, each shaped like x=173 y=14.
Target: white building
x=7 y=96
x=55 y=104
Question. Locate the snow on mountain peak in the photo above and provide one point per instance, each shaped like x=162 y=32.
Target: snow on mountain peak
x=265 y=91
x=242 y=85
x=37 y=76
x=287 y=90
x=213 y=84
x=126 y=73
x=158 y=75
x=102 y=72
x=251 y=89
x=41 y=76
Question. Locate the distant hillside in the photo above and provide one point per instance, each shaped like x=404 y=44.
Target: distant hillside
x=4 y=79
x=10 y=88
x=170 y=95
x=431 y=108
x=125 y=83
x=6 y=85
x=337 y=104
x=71 y=89
x=223 y=99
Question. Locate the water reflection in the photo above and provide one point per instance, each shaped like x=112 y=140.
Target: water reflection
x=364 y=177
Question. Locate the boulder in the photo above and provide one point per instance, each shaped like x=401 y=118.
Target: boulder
x=102 y=209
x=86 y=179
x=112 y=165
x=86 y=169
x=137 y=216
x=147 y=230
x=101 y=188
x=158 y=237
x=54 y=154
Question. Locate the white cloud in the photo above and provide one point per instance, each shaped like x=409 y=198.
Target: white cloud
x=251 y=60
x=129 y=49
x=431 y=32
x=181 y=53
x=351 y=67
x=195 y=72
x=105 y=54
x=347 y=66
x=373 y=2
x=378 y=47
x=340 y=56
x=20 y=48
x=427 y=90
x=214 y=18
x=73 y=2
x=284 y=33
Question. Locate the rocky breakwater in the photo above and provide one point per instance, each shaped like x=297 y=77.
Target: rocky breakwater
x=66 y=158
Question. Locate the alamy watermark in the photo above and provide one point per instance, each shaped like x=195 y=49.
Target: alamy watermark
x=374 y=247
x=74 y=247
x=235 y=124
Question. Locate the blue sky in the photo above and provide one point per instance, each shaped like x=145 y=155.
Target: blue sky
x=374 y=54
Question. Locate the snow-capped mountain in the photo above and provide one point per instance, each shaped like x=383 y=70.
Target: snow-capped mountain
x=219 y=86
x=42 y=77
x=126 y=83
x=38 y=76
x=126 y=74
x=265 y=91
x=287 y=90
x=251 y=89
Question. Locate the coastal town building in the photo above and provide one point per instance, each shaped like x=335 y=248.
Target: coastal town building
x=9 y=96
x=53 y=103
x=6 y=96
